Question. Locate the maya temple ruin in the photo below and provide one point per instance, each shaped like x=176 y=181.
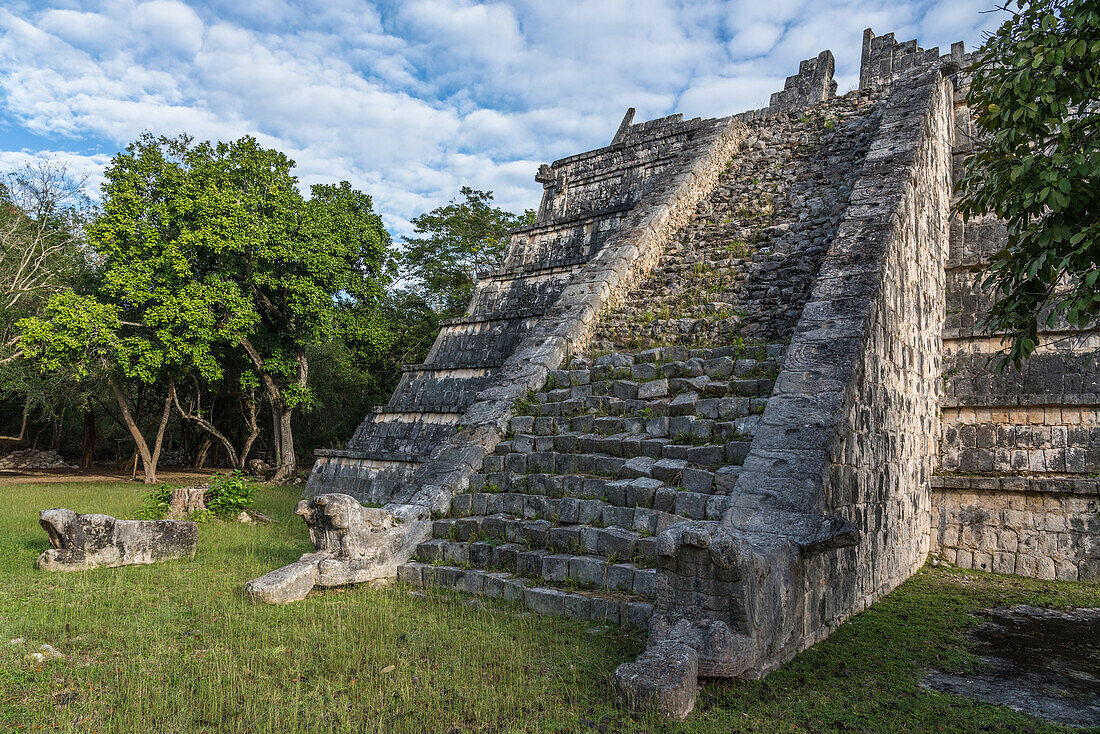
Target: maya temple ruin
x=731 y=388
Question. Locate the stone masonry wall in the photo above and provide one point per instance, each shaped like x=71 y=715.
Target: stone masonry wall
x=880 y=460
x=589 y=201
x=586 y=199
x=1019 y=449
x=744 y=267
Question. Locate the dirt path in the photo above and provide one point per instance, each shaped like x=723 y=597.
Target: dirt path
x=10 y=478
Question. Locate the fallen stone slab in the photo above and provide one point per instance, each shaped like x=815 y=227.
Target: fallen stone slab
x=94 y=541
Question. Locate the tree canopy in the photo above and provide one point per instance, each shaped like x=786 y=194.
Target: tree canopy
x=1035 y=90
x=455 y=242
x=211 y=251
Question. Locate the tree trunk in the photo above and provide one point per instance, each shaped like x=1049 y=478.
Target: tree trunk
x=289 y=464
x=87 y=446
x=164 y=416
x=204 y=449
x=185 y=500
x=250 y=413
x=286 y=461
x=23 y=427
x=206 y=426
x=148 y=458
x=275 y=444
x=58 y=427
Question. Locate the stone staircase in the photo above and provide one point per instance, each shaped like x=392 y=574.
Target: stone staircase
x=564 y=516
x=653 y=429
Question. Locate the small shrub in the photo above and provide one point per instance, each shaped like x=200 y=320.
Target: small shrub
x=229 y=495
x=154 y=503
x=201 y=516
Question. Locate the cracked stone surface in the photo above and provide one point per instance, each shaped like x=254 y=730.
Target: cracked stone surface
x=355 y=544
x=663 y=679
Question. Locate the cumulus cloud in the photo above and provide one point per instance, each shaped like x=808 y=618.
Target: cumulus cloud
x=411 y=100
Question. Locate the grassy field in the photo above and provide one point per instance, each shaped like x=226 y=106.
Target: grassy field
x=177 y=648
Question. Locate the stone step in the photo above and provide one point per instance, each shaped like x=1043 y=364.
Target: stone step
x=717 y=423
x=605 y=607
x=613 y=542
x=679 y=353
x=725 y=418
x=634 y=454
x=686 y=402
x=657 y=388
x=677 y=474
x=690 y=467
x=567 y=567
x=605 y=503
x=654 y=420
x=721 y=367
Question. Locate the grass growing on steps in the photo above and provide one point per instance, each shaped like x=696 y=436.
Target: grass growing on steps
x=177 y=648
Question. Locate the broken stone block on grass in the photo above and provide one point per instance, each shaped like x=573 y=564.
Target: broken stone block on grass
x=663 y=680
x=91 y=541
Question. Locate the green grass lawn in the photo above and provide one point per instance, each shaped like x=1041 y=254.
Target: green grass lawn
x=178 y=648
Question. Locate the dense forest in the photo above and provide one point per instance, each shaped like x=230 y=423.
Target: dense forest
x=201 y=311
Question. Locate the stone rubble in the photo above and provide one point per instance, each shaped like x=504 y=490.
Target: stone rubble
x=33 y=460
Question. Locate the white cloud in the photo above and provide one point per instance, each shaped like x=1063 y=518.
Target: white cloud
x=166 y=25
x=81 y=167
x=414 y=100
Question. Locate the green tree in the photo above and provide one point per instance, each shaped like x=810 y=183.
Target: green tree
x=212 y=246
x=454 y=243
x=1035 y=91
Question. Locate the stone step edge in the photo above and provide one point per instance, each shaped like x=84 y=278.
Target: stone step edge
x=556 y=567
x=720 y=499
x=394 y=457
x=1043 y=483
x=524 y=313
x=449 y=366
x=578 y=540
x=692 y=477
x=590 y=607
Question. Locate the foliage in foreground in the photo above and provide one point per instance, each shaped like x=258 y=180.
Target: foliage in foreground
x=229 y=495
x=1035 y=90
x=177 y=648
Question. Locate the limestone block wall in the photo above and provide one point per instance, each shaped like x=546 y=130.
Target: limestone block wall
x=586 y=199
x=1019 y=449
x=871 y=333
x=1045 y=528
x=590 y=201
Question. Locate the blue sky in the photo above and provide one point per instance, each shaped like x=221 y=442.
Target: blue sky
x=411 y=100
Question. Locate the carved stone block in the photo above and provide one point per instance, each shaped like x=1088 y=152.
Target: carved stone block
x=90 y=541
